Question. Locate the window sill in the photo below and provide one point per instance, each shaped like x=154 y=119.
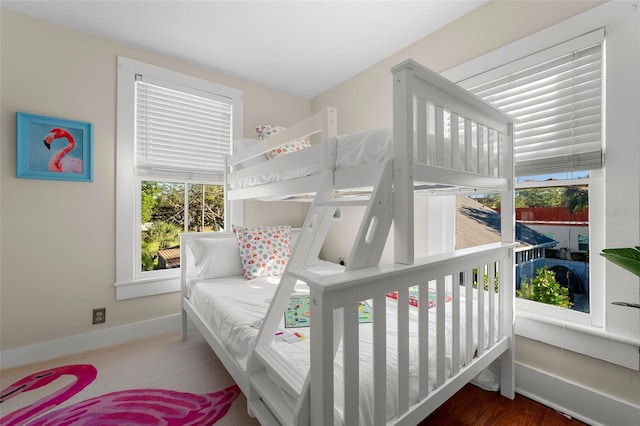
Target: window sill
x=146 y=287
x=580 y=338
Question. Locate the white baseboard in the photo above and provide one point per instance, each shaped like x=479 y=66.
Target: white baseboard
x=574 y=400
x=88 y=341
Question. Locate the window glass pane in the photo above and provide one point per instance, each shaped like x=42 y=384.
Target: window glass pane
x=554 y=272
x=583 y=242
x=555 y=176
x=162 y=217
x=477 y=220
x=206 y=208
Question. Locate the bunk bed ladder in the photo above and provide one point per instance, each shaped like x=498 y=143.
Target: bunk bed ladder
x=265 y=398
x=374 y=230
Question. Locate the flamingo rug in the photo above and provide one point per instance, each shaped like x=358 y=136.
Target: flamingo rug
x=157 y=381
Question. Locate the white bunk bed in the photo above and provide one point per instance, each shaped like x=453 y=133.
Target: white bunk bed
x=408 y=360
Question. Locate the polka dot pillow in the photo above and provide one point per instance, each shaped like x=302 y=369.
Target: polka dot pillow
x=267 y=130
x=264 y=250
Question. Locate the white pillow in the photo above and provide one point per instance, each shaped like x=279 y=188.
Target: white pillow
x=216 y=257
x=266 y=130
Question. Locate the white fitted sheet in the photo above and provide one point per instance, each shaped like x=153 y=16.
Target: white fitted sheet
x=232 y=305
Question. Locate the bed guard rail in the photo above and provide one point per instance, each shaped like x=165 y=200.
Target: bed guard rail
x=345 y=290
x=323 y=122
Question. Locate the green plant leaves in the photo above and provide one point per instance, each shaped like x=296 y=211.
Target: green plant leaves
x=627 y=258
x=544 y=288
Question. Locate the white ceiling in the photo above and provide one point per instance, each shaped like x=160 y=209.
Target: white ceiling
x=300 y=47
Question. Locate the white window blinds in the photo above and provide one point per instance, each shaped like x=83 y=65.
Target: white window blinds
x=180 y=135
x=558 y=105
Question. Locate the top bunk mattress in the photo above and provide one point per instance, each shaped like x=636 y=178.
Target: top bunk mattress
x=352 y=150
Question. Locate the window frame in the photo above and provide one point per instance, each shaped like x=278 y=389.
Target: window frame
x=545 y=53
x=131 y=282
x=596 y=236
x=594 y=338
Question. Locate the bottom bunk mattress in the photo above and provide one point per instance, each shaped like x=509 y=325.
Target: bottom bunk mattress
x=235 y=307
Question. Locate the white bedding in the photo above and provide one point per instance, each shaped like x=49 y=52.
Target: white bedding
x=353 y=150
x=232 y=305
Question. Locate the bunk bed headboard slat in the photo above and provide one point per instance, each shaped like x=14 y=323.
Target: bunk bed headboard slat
x=454 y=98
x=480 y=274
x=423 y=341
x=455 y=308
x=351 y=362
x=403 y=351
x=379 y=360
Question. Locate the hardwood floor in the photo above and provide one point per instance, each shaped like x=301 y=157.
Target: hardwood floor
x=474 y=406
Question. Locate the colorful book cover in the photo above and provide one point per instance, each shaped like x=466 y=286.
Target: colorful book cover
x=298 y=313
x=413 y=297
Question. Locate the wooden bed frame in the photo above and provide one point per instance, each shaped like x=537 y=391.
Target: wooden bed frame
x=462 y=144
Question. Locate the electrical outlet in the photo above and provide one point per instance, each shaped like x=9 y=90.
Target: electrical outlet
x=99 y=315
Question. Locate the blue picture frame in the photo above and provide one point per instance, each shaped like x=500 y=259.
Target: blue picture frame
x=53 y=148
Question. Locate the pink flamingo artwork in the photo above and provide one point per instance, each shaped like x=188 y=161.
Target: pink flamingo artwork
x=61 y=162
x=130 y=407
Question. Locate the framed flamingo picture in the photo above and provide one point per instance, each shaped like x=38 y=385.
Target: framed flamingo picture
x=53 y=148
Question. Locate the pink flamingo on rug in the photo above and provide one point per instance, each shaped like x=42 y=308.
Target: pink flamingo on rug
x=131 y=407
x=60 y=163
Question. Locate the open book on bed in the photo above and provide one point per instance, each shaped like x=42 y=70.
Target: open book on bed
x=298 y=313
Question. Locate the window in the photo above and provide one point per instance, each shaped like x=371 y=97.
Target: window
x=583 y=242
x=604 y=332
x=552 y=216
x=556 y=96
x=169 y=208
x=557 y=205
x=173 y=134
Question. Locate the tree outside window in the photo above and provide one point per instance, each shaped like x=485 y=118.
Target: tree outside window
x=165 y=214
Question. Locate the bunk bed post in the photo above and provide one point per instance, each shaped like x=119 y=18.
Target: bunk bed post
x=329 y=131
x=183 y=283
x=233 y=209
x=403 y=165
x=507 y=284
x=322 y=356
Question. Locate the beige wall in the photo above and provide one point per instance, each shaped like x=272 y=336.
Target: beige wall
x=58 y=238
x=483 y=30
